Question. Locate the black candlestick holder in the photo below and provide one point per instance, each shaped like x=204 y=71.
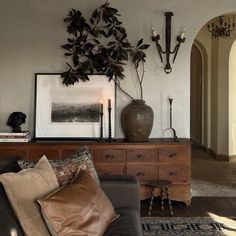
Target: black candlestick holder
x=101 y=139
x=110 y=139
x=171 y=128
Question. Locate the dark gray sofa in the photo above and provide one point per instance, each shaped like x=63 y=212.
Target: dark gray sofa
x=123 y=191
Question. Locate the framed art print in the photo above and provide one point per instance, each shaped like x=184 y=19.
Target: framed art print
x=73 y=111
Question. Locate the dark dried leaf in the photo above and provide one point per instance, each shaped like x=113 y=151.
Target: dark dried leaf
x=111 y=11
x=96 y=41
x=126 y=44
x=111 y=43
x=91 y=21
x=67 y=47
x=144 y=46
x=103 y=33
x=76 y=60
x=139 y=42
x=109 y=33
x=71 y=40
x=68 y=54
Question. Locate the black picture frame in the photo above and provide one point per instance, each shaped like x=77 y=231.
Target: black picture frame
x=73 y=112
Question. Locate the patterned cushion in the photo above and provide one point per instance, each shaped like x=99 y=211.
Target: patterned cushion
x=65 y=169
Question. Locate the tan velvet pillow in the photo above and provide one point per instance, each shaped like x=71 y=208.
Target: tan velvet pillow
x=24 y=188
x=80 y=208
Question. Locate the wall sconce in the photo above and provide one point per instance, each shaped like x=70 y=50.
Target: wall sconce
x=180 y=39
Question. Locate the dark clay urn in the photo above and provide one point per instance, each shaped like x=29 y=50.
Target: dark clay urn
x=137 y=121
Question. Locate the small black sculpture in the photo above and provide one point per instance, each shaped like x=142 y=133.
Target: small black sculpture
x=15 y=120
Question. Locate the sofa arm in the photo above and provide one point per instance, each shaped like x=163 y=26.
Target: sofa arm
x=122 y=190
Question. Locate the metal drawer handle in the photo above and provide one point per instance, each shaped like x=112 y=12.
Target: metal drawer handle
x=172 y=155
x=140 y=174
x=108 y=156
x=173 y=173
x=140 y=156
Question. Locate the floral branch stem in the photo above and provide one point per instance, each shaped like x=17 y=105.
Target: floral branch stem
x=142 y=73
x=117 y=82
x=140 y=80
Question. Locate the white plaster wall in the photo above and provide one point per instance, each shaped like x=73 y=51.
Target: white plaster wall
x=203 y=41
x=224 y=110
x=232 y=101
x=32 y=31
x=223 y=97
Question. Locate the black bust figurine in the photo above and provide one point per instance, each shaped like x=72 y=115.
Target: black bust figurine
x=15 y=120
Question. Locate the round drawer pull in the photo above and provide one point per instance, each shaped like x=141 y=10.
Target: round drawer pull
x=108 y=156
x=140 y=174
x=173 y=173
x=140 y=156
x=172 y=155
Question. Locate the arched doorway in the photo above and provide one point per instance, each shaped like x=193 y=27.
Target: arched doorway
x=196 y=101
x=214 y=93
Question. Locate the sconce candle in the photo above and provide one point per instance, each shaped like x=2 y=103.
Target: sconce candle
x=154 y=33
x=109 y=103
x=182 y=36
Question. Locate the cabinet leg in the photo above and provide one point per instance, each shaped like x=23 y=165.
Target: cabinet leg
x=169 y=202
x=162 y=199
x=151 y=204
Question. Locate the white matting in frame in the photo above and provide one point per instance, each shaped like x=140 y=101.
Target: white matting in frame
x=73 y=111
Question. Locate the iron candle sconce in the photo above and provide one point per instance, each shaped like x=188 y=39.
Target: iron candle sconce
x=180 y=39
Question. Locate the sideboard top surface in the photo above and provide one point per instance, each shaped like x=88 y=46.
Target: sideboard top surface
x=118 y=142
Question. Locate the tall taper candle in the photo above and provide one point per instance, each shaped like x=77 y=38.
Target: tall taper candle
x=109 y=103
x=101 y=108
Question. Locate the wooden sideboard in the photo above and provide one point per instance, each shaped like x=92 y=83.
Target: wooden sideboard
x=153 y=160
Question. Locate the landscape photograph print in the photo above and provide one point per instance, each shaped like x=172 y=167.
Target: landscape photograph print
x=66 y=107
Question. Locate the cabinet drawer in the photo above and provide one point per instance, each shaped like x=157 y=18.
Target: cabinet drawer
x=110 y=169
x=49 y=153
x=144 y=173
x=5 y=153
x=173 y=154
x=174 y=173
x=68 y=153
x=109 y=155
x=141 y=155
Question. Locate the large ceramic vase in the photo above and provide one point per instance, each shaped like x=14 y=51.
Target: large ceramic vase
x=137 y=121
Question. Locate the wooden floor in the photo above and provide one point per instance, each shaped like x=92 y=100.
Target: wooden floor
x=201 y=206
x=204 y=167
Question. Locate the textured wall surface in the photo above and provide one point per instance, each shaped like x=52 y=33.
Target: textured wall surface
x=31 y=33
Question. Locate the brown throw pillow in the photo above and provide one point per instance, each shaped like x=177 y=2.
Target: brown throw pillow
x=24 y=188
x=66 y=169
x=80 y=208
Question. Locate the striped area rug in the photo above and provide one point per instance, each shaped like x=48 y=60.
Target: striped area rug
x=188 y=226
